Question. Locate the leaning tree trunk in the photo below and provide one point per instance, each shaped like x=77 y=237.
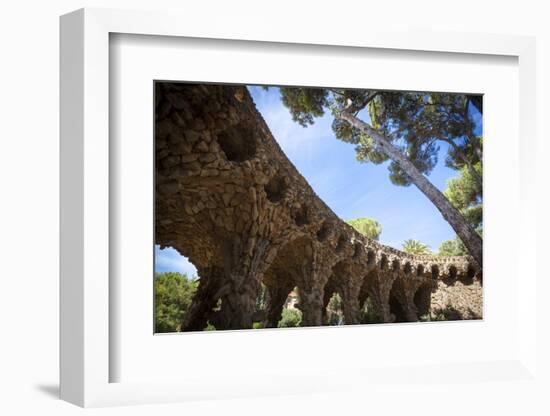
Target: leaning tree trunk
x=465 y=231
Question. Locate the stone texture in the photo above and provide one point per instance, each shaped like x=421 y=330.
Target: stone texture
x=228 y=198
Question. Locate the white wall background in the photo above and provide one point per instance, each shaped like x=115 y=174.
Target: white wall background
x=29 y=206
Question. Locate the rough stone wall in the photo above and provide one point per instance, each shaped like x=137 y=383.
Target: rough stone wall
x=457 y=301
x=228 y=198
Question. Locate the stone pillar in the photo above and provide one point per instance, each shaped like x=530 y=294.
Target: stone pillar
x=245 y=263
x=350 y=303
x=313 y=274
x=423 y=298
x=404 y=290
x=379 y=284
x=311 y=305
x=205 y=299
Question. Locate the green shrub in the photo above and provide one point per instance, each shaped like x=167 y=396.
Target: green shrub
x=368 y=314
x=173 y=295
x=335 y=310
x=291 y=317
x=209 y=327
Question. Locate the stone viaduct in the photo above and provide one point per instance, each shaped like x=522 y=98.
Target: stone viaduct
x=228 y=198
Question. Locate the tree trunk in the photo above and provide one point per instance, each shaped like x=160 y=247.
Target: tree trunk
x=465 y=231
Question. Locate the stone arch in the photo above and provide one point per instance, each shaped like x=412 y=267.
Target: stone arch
x=344 y=282
x=469 y=275
x=330 y=290
x=396 y=309
x=395 y=265
x=453 y=272
x=283 y=276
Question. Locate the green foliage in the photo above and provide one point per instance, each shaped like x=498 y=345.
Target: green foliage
x=416 y=247
x=367 y=226
x=465 y=193
x=305 y=103
x=173 y=295
x=368 y=314
x=290 y=318
x=261 y=300
x=209 y=327
x=452 y=248
x=414 y=122
x=335 y=314
x=258 y=325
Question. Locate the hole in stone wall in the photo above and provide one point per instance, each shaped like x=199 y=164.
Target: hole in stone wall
x=341 y=244
x=395 y=265
x=301 y=216
x=276 y=189
x=238 y=142
x=435 y=272
x=408 y=268
x=420 y=270
x=324 y=231
x=452 y=272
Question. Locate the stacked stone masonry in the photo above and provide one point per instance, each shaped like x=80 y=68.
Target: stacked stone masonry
x=229 y=199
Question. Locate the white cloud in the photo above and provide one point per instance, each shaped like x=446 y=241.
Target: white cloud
x=170 y=260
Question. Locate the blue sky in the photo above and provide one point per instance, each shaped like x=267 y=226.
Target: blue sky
x=350 y=188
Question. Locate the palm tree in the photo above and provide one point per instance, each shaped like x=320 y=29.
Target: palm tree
x=416 y=247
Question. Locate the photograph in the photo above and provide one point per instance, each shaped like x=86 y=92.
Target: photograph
x=304 y=206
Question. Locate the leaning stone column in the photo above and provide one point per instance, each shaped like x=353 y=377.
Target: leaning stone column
x=379 y=284
x=313 y=275
x=204 y=299
x=350 y=301
x=423 y=297
x=349 y=286
x=311 y=305
x=245 y=263
x=404 y=289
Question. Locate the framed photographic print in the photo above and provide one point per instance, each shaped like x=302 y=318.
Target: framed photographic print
x=250 y=201
x=270 y=252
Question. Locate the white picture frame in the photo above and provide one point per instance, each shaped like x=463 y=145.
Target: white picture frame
x=85 y=265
